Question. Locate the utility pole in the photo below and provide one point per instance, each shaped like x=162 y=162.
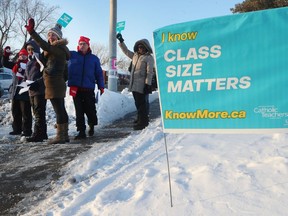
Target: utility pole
x=112 y=75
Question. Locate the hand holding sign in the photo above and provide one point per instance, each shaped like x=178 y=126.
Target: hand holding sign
x=119 y=37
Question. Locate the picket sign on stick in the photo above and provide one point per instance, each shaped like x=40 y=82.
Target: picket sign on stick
x=224 y=75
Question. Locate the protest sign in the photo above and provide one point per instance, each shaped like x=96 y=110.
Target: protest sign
x=224 y=74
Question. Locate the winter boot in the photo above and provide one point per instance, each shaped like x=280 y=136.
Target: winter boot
x=60 y=136
x=44 y=132
x=81 y=135
x=15 y=133
x=36 y=136
x=142 y=123
x=136 y=120
x=27 y=133
x=91 y=130
x=66 y=126
x=139 y=126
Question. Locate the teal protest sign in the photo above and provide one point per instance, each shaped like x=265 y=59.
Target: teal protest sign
x=64 y=20
x=120 y=26
x=224 y=74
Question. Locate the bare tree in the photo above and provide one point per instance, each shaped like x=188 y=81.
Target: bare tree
x=36 y=9
x=102 y=52
x=123 y=62
x=7 y=19
x=15 y=14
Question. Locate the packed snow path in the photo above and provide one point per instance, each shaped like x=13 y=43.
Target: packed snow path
x=28 y=169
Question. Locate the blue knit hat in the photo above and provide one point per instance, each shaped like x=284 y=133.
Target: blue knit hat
x=34 y=45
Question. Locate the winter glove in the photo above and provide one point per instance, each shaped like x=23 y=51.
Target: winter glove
x=147 y=89
x=120 y=38
x=34 y=86
x=7 y=51
x=30 y=26
x=101 y=91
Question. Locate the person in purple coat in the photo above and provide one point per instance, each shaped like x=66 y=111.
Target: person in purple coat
x=84 y=71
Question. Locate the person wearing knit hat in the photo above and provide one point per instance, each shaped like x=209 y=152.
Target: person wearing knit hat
x=84 y=70
x=23 y=52
x=56 y=30
x=56 y=55
x=33 y=45
x=85 y=40
x=20 y=104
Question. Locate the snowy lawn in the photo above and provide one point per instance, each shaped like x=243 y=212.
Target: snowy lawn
x=235 y=174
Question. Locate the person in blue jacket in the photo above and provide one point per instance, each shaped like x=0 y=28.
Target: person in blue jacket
x=84 y=71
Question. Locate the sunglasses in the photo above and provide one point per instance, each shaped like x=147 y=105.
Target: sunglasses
x=141 y=47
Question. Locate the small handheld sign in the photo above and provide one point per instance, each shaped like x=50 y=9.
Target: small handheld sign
x=120 y=26
x=64 y=20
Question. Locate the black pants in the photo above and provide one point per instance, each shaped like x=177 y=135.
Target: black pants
x=22 y=116
x=147 y=103
x=84 y=103
x=142 y=106
x=38 y=103
x=60 y=110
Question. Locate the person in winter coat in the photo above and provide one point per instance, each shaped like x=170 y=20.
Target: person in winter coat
x=20 y=105
x=84 y=70
x=56 y=55
x=140 y=78
x=36 y=92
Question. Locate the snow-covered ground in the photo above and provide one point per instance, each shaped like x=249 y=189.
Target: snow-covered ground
x=211 y=174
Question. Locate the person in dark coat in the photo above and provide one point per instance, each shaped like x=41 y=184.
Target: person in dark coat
x=84 y=70
x=36 y=92
x=56 y=55
x=140 y=78
x=20 y=105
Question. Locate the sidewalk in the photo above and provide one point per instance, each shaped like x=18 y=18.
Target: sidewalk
x=29 y=168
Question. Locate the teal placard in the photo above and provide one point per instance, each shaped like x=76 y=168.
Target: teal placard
x=120 y=26
x=64 y=20
x=224 y=74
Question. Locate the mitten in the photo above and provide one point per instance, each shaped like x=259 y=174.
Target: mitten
x=101 y=91
x=7 y=51
x=30 y=26
x=147 y=89
x=34 y=86
x=120 y=38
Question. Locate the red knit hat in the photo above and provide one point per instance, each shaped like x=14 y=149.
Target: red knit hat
x=84 y=39
x=23 y=52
